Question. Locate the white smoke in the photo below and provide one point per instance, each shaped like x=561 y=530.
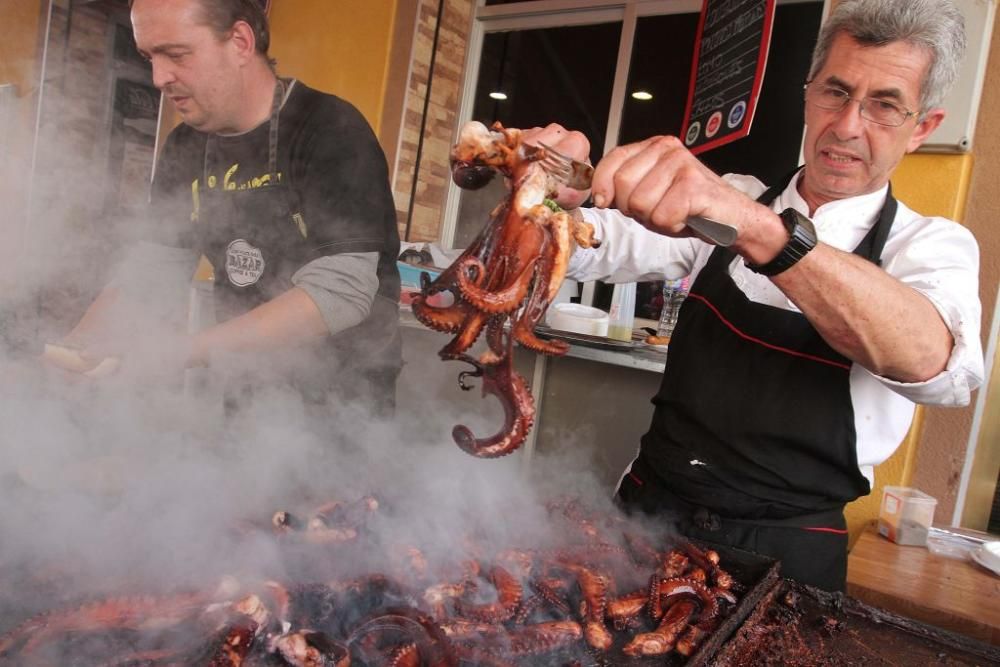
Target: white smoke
x=139 y=482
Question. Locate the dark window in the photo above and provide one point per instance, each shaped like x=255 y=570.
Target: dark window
x=562 y=75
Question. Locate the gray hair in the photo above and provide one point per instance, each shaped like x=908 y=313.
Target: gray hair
x=935 y=25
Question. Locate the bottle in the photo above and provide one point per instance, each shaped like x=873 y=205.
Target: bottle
x=674 y=293
x=621 y=318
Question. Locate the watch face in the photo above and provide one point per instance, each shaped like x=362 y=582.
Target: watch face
x=799 y=225
x=801 y=239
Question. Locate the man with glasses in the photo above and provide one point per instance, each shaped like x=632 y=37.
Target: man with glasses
x=802 y=348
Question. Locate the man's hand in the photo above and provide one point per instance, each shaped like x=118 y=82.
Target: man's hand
x=659 y=183
x=571 y=144
x=141 y=357
x=74 y=360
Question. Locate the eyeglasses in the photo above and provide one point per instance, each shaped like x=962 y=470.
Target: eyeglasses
x=878 y=111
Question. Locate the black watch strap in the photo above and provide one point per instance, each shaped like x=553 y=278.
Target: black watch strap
x=801 y=239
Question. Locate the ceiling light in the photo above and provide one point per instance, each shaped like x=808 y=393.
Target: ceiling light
x=642 y=95
x=497 y=95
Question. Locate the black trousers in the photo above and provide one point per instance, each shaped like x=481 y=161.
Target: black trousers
x=812 y=548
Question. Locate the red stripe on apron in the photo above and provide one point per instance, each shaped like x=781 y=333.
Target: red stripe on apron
x=732 y=327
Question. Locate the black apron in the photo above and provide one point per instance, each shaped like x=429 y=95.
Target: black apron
x=256 y=239
x=752 y=442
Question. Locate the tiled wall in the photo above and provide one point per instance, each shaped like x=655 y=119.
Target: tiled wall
x=433 y=174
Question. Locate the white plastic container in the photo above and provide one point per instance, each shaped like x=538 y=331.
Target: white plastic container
x=906 y=515
x=621 y=318
x=577 y=318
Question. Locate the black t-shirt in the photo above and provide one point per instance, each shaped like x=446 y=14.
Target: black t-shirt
x=218 y=197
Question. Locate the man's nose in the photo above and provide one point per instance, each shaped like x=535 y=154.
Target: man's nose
x=848 y=122
x=162 y=74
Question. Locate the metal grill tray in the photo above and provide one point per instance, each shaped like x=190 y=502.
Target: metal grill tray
x=823 y=628
x=587 y=340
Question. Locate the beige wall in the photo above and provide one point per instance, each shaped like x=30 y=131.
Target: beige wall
x=338 y=46
x=943 y=443
x=20 y=26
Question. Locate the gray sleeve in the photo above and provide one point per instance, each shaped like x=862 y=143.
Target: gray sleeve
x=343 y=286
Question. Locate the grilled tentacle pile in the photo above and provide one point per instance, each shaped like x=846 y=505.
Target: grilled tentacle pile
x=535 y=606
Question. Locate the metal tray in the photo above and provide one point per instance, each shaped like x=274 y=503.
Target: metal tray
x=586 y=340
x=801 y=625
x=758 y=574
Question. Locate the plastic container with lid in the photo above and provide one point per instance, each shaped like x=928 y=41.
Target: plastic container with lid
x=906 y=515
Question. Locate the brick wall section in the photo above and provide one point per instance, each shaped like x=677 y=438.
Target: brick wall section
x=433 y=176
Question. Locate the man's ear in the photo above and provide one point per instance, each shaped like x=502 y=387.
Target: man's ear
x=924 y=128
x=244 y=40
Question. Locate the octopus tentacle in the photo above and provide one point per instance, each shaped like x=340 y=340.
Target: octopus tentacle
x=311 y=649
x=594 y=587
x=624 y=610
x=509 y=593
x=519 y=413
x=542 y=637
x=505 y=300
x=467 y=336
x=662 y=639
x=128 y=613
x=445 y=320
x=433 y=645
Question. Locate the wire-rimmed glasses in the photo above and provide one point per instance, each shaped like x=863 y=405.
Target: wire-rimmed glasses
x=834 y=98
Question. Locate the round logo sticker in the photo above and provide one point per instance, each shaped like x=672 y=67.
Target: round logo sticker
x=244 y=263
x=713 y=124
x=692 y=134
x=736 y=114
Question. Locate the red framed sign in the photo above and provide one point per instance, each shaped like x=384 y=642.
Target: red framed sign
x=730 y=55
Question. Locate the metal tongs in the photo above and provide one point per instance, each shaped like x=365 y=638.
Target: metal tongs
x=578 y=175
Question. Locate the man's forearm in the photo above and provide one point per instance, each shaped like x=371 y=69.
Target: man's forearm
x=290 y=319
x=95 y=319
x=867 y=315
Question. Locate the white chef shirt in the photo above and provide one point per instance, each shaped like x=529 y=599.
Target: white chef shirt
x=933 y=255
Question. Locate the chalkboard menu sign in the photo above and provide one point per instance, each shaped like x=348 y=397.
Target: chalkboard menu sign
x=730 y=54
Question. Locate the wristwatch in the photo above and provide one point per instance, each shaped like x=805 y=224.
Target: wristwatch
x=801 y=239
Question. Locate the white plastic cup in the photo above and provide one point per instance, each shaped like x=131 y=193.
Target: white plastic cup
x=621 y=318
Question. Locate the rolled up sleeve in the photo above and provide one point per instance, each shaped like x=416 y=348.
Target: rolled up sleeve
x=343 y=287
x=944 y=266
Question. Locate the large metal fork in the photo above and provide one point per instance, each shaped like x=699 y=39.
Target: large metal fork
x=578 y=175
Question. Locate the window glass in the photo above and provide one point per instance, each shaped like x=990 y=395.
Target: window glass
x=563 y=75
x=662 y=51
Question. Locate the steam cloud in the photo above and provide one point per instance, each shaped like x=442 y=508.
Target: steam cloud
x=139 y=483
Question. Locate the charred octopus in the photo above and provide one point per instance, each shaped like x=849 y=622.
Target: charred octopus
x=505 y=280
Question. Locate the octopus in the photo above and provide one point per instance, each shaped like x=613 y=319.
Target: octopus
x=477 y=605
x=504 y=281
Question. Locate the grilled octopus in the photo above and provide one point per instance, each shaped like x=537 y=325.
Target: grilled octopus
x=504 y=281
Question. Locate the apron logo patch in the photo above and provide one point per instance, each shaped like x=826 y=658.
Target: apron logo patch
x=244 y=263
